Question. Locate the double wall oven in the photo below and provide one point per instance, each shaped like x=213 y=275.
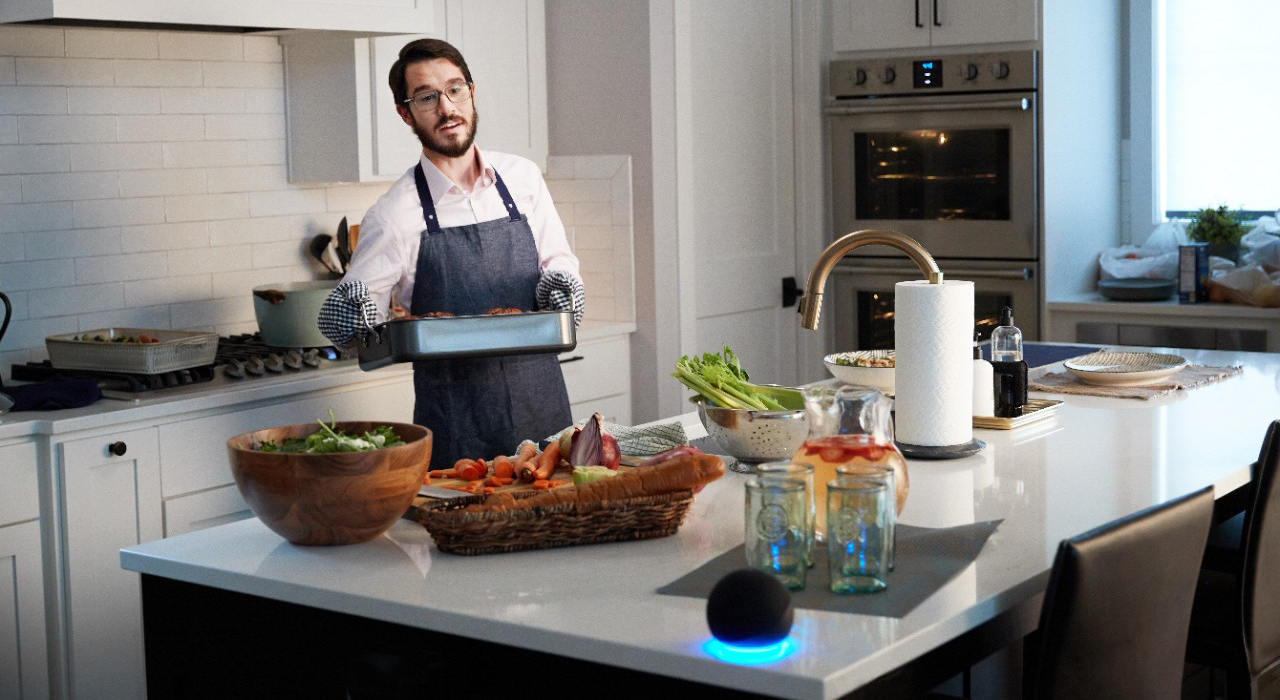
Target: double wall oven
x=942 y=148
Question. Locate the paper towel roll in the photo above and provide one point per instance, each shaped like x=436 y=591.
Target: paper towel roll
x=933 y=331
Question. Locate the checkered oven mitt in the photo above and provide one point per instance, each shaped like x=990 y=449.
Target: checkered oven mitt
x=349 y=313
x=559 y=290
x=642 y=442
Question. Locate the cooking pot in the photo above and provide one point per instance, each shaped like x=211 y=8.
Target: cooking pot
x=287 y=313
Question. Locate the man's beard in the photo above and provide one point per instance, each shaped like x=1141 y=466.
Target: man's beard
x=448 y=148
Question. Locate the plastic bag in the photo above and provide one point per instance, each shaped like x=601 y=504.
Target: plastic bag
x=1261 y=247
x=1156 y=258
x=1247 y=285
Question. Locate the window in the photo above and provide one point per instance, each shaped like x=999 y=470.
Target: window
x=1217 y=105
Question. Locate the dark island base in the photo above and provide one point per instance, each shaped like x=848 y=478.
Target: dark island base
x=205 y=643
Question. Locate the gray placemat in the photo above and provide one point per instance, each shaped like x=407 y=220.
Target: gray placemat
x=926 y=559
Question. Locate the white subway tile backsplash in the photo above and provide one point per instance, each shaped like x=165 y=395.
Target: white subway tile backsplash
x=559 y=167
x=234 y=284
x=66 y=129
x=119 y=212
x=273 y=255
x=31 y=41
x=11 y=247
x=26 y=99
x=120 y=268
x=263 y=49
x=243 y=75
x=54 y=187
x=166 y=290
x=353 y=201
x=574 y=191
x=201 y=100
x=205 y=154
x=255 y=230
x=595 y=261
x=242 y=127
x=594 y=238
x=160 y=127
x=214 y=313
x=30 y=333
x=146 y=317
x=201 y=47
x=18 y=218
x=8 y=71
x=115 y=156
x=591 y=213
x=265 y=152
x=248 y=178
x=53 y=245
x=110 y=43
x=113 y=100
x=37 y=274
x=8 y=129
x=75 y=299
x=263 y=101
x=208 y=260
x=597 y=167
x=152 y=237
x=206 y=207
x=64 y=71
x=158 y=73
x=286 y=202
x=157 y=183
x=34 y=159
x=10 y=189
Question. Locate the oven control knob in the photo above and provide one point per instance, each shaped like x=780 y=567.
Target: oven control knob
x=1000 y=70
x=888 y=75
x=970 y=71
x=860 y=77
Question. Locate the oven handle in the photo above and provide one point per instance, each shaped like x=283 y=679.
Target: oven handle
x=1024 y=273
x=1017 y=103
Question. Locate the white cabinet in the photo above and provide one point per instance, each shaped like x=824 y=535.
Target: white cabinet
x=342 y=121
x=24 y=666
x=597 y=374
x=110 y=498
x=867 y=25
x=367 y=16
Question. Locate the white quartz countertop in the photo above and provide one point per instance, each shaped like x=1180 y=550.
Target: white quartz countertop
x=1095 y=302
x=1096 y=460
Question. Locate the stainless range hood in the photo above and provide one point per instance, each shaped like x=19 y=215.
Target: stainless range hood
x=362 y=17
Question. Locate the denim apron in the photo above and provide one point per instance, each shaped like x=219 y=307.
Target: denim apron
x=482 y=407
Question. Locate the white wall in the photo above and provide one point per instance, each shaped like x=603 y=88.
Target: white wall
x=142 y=182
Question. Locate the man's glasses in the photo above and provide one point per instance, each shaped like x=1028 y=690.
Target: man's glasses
x=456 y=92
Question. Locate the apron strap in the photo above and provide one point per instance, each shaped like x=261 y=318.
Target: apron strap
x=429 y=206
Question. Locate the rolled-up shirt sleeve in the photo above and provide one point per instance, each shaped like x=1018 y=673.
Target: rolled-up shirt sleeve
x=379 y=261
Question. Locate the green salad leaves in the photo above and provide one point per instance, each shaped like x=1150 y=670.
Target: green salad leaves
x=721 y=380
x=329 y=439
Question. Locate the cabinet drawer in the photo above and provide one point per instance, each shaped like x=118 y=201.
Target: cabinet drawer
x=597 y=368
x=206 y=509
x=19 y=496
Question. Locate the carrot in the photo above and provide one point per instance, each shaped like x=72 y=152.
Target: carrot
x=464 y=462
x=541 y=484
x=440 y=474
x=552 y=483
x=527 y=451
x=498 y=481
x=502 y=466
x=543 y=465
x=488 y=490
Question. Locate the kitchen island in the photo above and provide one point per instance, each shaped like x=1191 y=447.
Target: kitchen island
x=579 y=612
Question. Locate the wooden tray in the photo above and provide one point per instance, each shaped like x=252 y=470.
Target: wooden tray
x=1035 y=410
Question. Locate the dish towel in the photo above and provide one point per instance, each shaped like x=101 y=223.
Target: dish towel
x=1191 y=377
x=641 y=442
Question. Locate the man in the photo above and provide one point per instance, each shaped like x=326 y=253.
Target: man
x=463 y=231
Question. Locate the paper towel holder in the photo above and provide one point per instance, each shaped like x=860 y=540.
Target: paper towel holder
x=811 y=301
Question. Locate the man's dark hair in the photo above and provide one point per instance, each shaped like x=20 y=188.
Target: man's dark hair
x=423 y=50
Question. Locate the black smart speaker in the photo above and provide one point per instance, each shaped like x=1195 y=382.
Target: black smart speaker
x=749 y=607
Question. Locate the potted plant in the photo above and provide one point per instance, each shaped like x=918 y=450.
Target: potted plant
x=1219 y=228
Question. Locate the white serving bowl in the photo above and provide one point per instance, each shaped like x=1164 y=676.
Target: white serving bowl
x=878 y=377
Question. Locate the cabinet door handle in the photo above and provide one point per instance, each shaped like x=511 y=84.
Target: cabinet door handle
x=118 y=448
x=919 y=24
x=936 y=22
x=574 y=358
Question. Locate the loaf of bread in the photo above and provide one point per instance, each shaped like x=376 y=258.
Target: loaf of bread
x=678 y=474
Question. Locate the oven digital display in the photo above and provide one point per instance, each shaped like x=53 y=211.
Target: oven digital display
x=927 y=74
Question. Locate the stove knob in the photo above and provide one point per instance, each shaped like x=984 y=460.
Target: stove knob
x=888 y=75
x=970 y=71
x=1000 y=70
x=234 y=369
x=254 y=366
x=860 y=77
x=274 y=363
x=293 y=359
x=311 y=358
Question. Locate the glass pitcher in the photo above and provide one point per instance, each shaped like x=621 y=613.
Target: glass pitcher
x=850 y=425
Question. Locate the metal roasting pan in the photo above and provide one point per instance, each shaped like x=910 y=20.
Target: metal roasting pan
x=411 y=340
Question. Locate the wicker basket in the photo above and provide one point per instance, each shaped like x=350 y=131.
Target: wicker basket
x=176 y=350
x=456 y=531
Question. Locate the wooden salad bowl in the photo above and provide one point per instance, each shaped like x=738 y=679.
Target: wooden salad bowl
x=330 y=499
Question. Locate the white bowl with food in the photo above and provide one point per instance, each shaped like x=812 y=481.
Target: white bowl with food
x=873 y=368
